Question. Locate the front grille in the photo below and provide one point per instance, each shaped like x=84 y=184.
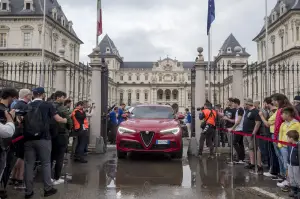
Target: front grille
x=147 y=137
x=163 y=146
x=130 y=145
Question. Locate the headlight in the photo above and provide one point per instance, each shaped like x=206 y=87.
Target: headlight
x=125 y=130
x=172 y=130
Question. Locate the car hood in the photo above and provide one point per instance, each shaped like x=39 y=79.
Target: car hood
x=150 y=123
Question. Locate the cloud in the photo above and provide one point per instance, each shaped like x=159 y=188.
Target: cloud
x=146 y=30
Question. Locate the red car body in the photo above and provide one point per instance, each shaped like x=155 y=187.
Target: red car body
x=150 y=135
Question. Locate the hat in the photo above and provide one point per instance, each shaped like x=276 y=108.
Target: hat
x=38 y=91
x=297 y=98
x=248 y=101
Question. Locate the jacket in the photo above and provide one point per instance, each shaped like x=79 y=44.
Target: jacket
x=63 y=112
x=279 y=121
x=79 y=119
x=209 y=115
x=293 y=157
x=284 y=128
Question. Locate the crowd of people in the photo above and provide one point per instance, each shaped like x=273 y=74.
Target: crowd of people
x=35 y=131
x=270 y=134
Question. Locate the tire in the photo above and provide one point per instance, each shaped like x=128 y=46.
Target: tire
x=179 y=154
x=121 y=154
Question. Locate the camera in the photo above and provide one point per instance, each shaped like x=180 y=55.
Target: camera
x=200 y=109
x=20 y=112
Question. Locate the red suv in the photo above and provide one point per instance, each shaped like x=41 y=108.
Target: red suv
x=150 y=128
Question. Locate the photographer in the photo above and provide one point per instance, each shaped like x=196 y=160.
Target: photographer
x=208 y=127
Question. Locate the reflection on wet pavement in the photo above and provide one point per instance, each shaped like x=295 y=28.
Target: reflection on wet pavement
x=155 y=177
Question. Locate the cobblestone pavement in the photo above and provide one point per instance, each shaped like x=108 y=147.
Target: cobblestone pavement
x=157 y=177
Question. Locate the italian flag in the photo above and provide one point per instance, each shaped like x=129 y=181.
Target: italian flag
x=99 y=18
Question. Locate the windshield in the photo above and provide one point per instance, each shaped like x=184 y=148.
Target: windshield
x=152 y=112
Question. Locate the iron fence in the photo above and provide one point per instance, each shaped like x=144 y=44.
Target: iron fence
x=30 y=75
x=258 y=81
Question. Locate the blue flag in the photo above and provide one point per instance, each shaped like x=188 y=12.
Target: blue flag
x=211 y=14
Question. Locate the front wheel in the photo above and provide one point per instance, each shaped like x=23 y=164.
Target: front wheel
x=121 y=154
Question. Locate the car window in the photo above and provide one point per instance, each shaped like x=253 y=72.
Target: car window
x=152 y=112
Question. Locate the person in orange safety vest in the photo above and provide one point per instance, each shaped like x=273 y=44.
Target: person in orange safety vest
x=208 y=115
x=80 y=125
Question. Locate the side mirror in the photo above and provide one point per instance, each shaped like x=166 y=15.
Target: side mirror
x=180 y=117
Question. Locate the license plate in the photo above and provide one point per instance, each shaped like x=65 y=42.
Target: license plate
x=162 y=142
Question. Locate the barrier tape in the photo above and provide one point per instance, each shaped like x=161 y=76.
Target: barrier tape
x=17 y=139
x=259 y=137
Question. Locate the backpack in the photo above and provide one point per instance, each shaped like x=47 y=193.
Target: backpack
x=34 y=125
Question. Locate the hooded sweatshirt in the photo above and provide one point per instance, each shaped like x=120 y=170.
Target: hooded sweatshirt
x=286 y=127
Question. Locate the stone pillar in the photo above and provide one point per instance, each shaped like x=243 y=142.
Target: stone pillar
x=199 y=90
x=237 y=81
x=96 y=141
x=61 y=73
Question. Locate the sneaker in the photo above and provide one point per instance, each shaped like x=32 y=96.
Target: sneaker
x=239 y=162
x=50 y=192
x=27 y=196
x=285 y=189
x=283 y=184
x=268 y=174
x=59 y=181
x=277 y=178
x=250 y=166
x=260 y=170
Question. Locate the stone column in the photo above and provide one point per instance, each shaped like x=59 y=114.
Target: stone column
x=237 y=81
x=96 y=140
x=199 y=90
x=61 y=73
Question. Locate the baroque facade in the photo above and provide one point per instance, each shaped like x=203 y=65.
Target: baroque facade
x=21 y=43
x=166 y=81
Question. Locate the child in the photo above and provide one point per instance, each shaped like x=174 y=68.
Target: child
x=293 y=164
x=290 y=123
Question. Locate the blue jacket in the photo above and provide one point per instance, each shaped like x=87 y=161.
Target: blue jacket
x=120 y=113
x=113 y=117
x=293 y=158
x=188 y=118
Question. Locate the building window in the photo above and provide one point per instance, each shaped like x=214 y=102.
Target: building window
x=129 y=77
x=137 y=96
x=160 y=78
x=146 y=96
x=175 y=78
x=189 y=96
x=71 y=54
x=3 y=40
x=54 y=46
x=146 y=77
x=121 y=77
x=129 y=99
x=282 y=43
x=28 y=6
x=297 y=33
x=121 y=98
x=27 y=39
x=273 y=48
x=189 y=78
x=137 y=78
x=4 y=6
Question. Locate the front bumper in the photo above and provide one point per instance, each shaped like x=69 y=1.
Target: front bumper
x=134 y=143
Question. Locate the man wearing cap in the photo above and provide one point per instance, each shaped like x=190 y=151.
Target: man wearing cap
x=39 y=147
x=251 y=125
x=297 y=103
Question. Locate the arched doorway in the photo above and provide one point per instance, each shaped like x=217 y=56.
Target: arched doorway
x=175 y=107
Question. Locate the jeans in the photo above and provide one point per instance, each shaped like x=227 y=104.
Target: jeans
x=59 y=145
x=285 y=155
x=279 y=158
x=208 y=134
x=274 y=165
x=81 y=144
x=40 y=149
x=238 y=145
x=264 y=149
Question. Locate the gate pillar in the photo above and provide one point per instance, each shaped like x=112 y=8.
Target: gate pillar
x=237 y=78
x=199 y=89
x=61 y=73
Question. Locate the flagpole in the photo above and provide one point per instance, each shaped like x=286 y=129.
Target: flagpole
x=209 y=67
x=43 y=47
x=267 y=49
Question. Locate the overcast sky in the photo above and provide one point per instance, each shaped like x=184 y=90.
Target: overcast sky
x=145 y=30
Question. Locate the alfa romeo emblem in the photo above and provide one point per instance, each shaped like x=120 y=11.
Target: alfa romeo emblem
x=147 y=132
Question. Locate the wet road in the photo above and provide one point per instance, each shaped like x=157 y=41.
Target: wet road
x=157 y=177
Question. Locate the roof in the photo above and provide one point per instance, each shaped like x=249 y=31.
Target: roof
x=108 y=47
x=289 y=5
x=16 y=8
x=149 y=65
x=231 y=42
